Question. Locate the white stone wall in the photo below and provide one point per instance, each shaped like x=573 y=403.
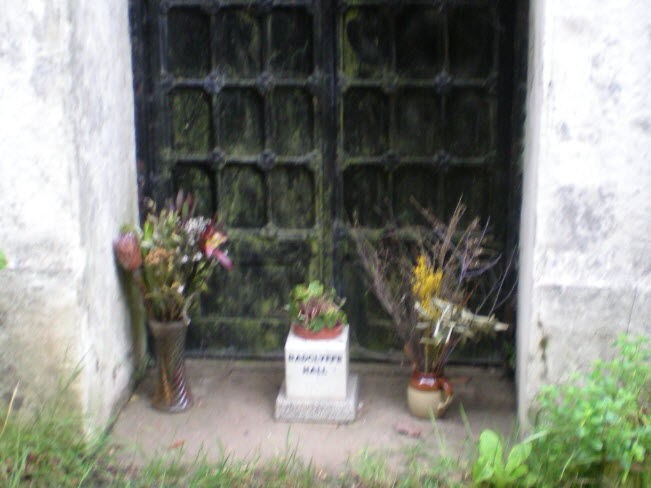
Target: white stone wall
x=67 y=182
x=585 y=274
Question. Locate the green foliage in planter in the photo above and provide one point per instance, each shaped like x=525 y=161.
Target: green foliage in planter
x=314 y=307
x=3 y=260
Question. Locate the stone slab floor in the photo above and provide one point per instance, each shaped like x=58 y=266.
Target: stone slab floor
x=234 y=414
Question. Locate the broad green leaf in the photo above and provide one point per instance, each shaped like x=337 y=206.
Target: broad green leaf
x=185 y=213
x=596 y=444
x=517 y=473
x=489 y=460
x=637 y=451
x=529 y=480
x=482 y=472
x=3 y=260
x=315 y=288
x=517 y=458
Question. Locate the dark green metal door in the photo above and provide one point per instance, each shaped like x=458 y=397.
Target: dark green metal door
x=418 y=99
x=293 y=118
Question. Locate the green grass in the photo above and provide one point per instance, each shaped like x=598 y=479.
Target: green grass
x=48 y=450
x=417 y=468
x=592 y=431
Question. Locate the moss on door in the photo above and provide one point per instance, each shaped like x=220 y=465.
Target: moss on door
x=294 y=119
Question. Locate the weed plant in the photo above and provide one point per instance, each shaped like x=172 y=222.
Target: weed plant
x=592 y=431
x=595 y=430
x=50 y=449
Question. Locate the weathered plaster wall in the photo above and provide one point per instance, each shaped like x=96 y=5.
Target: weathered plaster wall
x=67 y=181
x=585 y=239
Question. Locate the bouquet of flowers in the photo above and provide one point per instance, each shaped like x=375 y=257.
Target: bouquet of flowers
x=440 y=292
x=172 y=256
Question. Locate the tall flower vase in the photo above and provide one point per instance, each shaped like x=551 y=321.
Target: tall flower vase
x=172 y=393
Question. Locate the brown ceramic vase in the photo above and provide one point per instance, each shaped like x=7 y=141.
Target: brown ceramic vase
x=428 y=394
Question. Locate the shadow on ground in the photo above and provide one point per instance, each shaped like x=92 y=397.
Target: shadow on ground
x=234 y=414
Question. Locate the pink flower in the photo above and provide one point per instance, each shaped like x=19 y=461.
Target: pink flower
x=211 y=239
x=127 y=251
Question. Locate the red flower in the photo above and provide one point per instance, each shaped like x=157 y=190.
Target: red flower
x=127 y=251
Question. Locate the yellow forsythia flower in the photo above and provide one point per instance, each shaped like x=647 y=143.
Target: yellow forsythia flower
x=426 y=283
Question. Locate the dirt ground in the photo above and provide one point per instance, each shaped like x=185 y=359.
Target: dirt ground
x=234 y=414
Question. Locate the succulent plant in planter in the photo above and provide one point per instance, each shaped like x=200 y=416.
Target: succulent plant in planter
x=315 y=312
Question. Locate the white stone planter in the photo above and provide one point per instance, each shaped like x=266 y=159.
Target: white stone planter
x=317 y=384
